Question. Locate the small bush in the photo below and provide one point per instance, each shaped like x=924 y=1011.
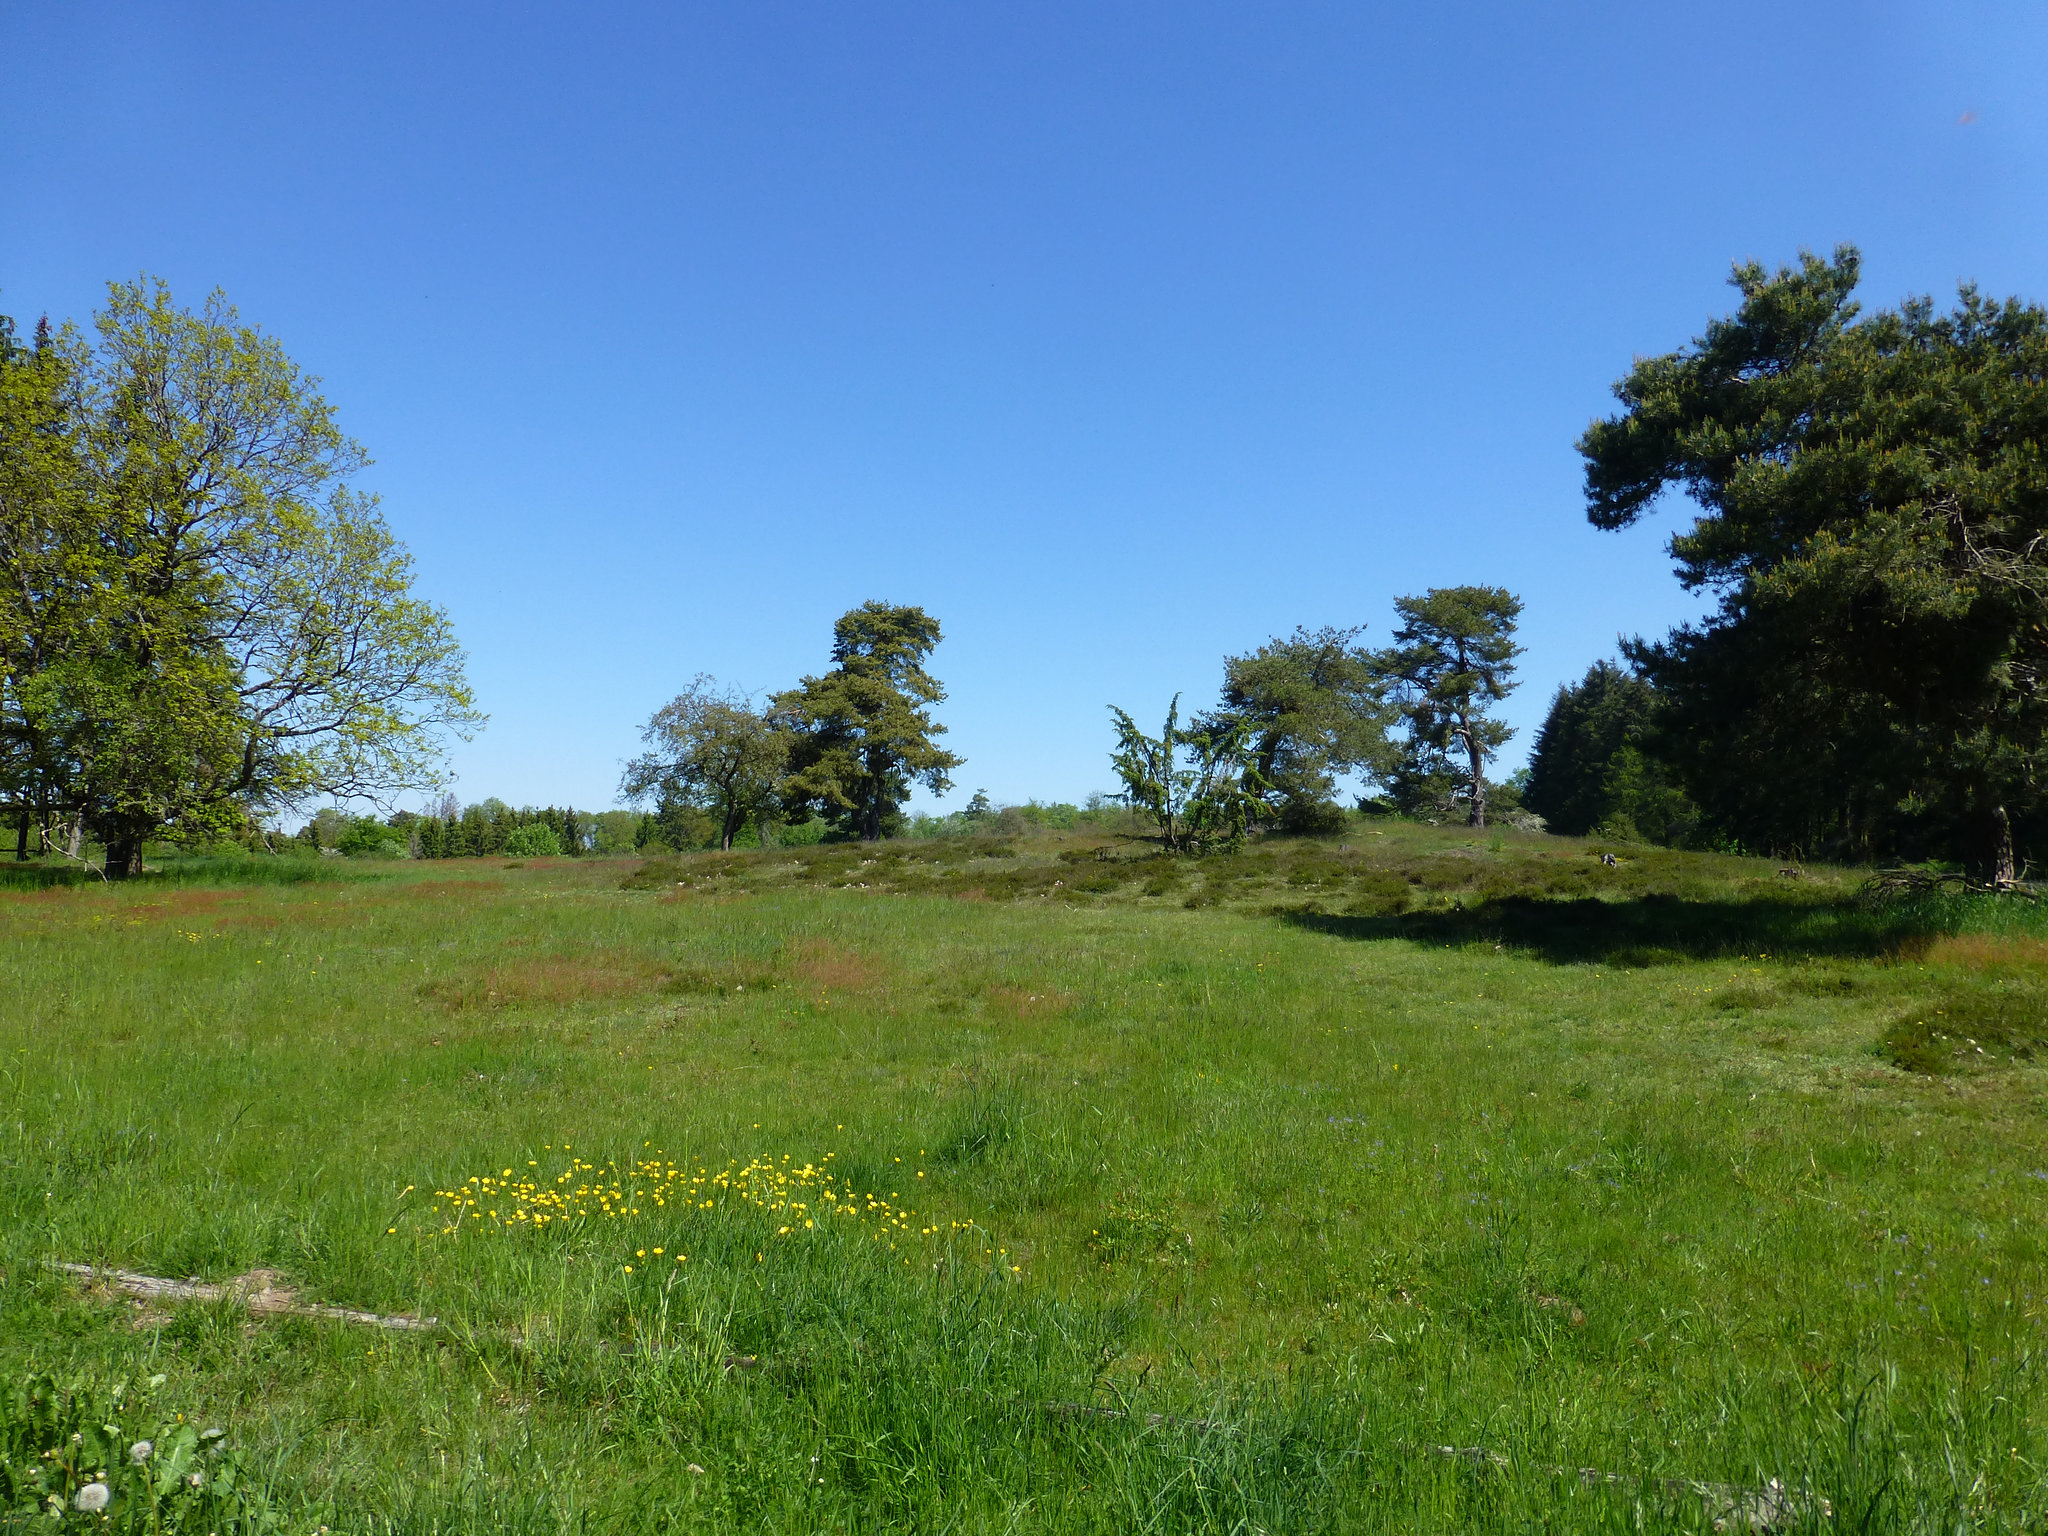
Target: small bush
x=1311 y=818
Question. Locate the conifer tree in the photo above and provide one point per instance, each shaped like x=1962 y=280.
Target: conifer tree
x=1453 y=659
x=864 y=733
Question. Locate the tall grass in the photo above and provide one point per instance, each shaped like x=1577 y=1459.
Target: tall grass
x=1287 y=1220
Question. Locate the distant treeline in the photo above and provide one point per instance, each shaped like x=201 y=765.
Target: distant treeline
x=454 y=831
x=492 y=828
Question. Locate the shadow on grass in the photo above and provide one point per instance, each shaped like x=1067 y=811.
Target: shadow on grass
x=226 y=870
x=42 y=877
x=1653 y=930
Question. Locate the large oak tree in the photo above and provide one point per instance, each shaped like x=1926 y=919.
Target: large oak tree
x=214 y=623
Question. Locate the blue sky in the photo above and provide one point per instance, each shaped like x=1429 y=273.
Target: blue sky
x=1120 y=337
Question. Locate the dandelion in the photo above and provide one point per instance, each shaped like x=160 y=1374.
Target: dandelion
x=93 y=1498
x=141 y=1451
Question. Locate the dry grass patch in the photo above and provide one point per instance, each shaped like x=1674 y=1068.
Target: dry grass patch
x=821 y=964
x=551 y=981
x=1024 y=1004
x=1980 y=951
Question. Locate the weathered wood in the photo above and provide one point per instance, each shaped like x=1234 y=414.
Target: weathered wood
x=260 y=1290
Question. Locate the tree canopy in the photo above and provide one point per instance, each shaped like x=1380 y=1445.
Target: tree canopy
x=208 y=621
x=863 y=733
x=1594 y=766
x=1873 y=517
x=1314 y=706
x=1452 y=661
x=710 y=747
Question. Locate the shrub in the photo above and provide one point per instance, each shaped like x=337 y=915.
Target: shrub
x=365 y=837
x=1311 y=818
x=534 y=840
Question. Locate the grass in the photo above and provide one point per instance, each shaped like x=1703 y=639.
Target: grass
x=1218 y=1193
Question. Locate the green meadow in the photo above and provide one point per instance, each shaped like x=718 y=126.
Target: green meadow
x=1413 y=1180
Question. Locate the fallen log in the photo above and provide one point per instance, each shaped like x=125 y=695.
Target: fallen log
x=263 y=1292
x=260 y=1290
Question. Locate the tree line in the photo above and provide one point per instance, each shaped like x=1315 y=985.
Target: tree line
x=205 y=627
x=1872 y=496
x=1872 y=499
x=454 y=831
x=842 y=750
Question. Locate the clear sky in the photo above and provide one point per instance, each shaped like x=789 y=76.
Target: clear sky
x=1118 y=336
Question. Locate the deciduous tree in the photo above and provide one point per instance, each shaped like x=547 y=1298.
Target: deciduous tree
x=237 y=626
x=710 y=746
x=1316 y=707
x=45 y=577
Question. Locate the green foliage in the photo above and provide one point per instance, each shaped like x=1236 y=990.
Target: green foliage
x=711 y=748
x=365 y=837
x=1452 y=660
x=534 y=840
x=863 y=732
x=1101 y=814
x=487 y=829
x=1316 y=707
x=1207 y=800
x=44 y=539
x=80 y=1454
x=614 y=831
x=214 y=622
x=1593 y=768
x=1873 y=498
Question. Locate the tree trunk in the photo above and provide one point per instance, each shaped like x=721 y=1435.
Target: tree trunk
x=1999 y=870
x=21 y=838
x=124 y=857
x=76 y=847
x=1478 y=778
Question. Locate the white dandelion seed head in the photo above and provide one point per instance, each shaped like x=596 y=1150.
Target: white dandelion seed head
x=93 y=1498
x=141 y=1451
